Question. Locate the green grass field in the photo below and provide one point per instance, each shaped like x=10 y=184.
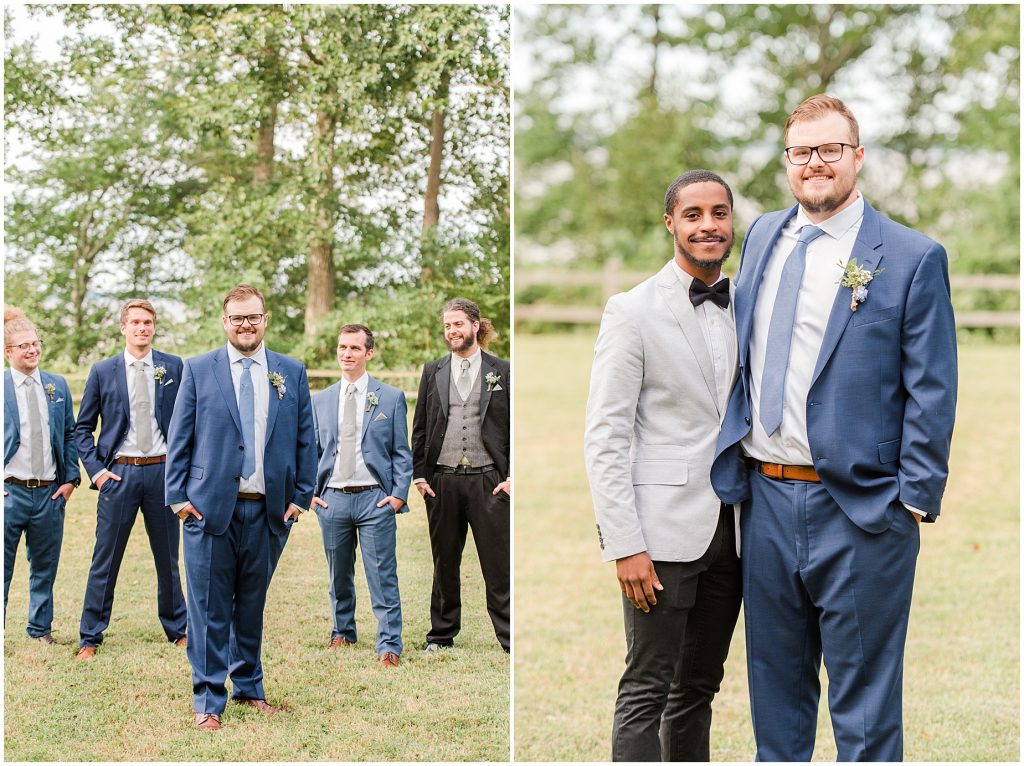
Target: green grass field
x=133 y=701
x=961 y=680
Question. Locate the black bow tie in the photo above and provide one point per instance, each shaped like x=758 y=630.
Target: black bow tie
x=718 y=293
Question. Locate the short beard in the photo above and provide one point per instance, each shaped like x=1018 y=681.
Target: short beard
x=696 y=262
x=237 y=343
x=823 y=205
x=464 y=345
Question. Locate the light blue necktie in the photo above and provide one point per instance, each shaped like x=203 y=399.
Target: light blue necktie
x=247 y=410
x=780 y=332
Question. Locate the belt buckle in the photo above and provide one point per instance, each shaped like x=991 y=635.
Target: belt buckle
x=33 y=483
x=135 y=461
x=771 y=470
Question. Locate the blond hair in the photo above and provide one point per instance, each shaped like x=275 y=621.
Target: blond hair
x=15 y=321
x=817 y=107
x=137 y=303
x=241 y=293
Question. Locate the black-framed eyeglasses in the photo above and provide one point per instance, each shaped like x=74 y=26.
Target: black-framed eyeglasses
x=239 y=319
x=801 y=155
x=38 y=344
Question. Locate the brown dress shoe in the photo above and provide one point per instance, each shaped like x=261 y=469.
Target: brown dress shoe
x=207 y=721
x=85 y=652
x=260 y=705
x=47 y=639
x=182 y=642
x=339 y=641
x=389 y=660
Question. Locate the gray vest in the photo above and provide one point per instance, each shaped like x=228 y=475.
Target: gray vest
x=462 y=436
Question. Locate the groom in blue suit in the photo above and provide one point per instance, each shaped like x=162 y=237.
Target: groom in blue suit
x=362 y=481
x=241 y=464
x=836 y=441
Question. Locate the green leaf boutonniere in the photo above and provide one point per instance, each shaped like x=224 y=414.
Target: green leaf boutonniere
x=50 y=391
x=492 y=379
x=277 y=381
x=856 y=278
x=158 y=376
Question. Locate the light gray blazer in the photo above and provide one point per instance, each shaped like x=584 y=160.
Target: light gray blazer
x=653 y=419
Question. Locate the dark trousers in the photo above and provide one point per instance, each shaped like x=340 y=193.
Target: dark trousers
x=815 y=583
x=116 y=510
x=465 y=500
x=228 y=576
x=30 y=511
x=676 y=653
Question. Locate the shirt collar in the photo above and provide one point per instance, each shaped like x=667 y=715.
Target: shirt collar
x=474 y=360
x=837 y=225
x=260 y=357
x=20 y=377
x=361 y=384
x=129 y=360
x=687 y=278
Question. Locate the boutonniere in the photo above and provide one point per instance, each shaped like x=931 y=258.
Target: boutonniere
x=492 y=379
x=371 y=400
x=277 y=381
x=856 y=278
x=51 y=390
x=158 y=376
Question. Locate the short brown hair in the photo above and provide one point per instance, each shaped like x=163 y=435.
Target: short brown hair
x=241 y=293
x=15 y=321
x=354 y=327
x=471 y=310
x=818 y=106
x=137 y=303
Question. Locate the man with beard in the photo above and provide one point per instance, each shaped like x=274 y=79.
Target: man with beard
x=664 y=363
x=241 y=466
x=836 y=441
x=460 y=450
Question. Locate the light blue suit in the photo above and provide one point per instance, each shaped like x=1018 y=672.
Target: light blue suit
x=385 y=449
x=30 y=510
x=236 y=541
x=880 y=412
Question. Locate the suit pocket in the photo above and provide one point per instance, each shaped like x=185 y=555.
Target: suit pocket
x=661 y=464
x=863 y=317
x=889 y=451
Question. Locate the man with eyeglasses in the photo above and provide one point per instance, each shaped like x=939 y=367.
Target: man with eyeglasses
x=836 y=441
x=40 y=468
x=241 y=465
x=133 y=394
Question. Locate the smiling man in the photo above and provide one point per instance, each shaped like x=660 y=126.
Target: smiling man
x=837 y=441
x=664 y=363
x=133 y=394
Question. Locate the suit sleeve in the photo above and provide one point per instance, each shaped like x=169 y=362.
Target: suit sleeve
x=401 y=454
x=88 y=416
x=615 y=382
x=72 y=474
x=316 y=432
x=180 y=439
x=419 y=427
x=305 y=447
x=929 y=374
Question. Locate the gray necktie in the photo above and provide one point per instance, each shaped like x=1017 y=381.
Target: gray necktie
x=463 y=383
x=780 y=332
x=143 y=410
x=35 y=428
x=347 y=448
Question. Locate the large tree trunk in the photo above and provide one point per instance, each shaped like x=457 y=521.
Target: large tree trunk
x=320 y=264
x=264 y=169
x=431 y=208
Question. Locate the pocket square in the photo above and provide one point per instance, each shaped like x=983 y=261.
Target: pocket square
x=497 y=387
x=380 y=416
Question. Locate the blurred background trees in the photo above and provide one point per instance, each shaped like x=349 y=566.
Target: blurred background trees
x=350 y=161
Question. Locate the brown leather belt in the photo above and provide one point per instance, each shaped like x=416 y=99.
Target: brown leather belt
x=778 y=471
x=355 y=490
x=141 y=460
x=250 y=496
x=33 y=483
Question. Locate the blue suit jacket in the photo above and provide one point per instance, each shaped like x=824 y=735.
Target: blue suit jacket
x=882 y=399
x=385 y=438
x=205 y=449
x=106 y=397
x=62 y=425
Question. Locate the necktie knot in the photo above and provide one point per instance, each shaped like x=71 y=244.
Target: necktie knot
x=247 y=363
x=465 y=365
x=718 y=293
x=810 y=233
x=350 y=389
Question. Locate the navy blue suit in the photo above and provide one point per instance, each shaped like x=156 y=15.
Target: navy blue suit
x=141 y=486
x=231 y=554
x=384 y=445
x=829 y=567
x=30 y=510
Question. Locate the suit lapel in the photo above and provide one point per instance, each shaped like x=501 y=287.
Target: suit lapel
x=121 y=385
x=158 y=403
x=682 y=309
x=372 y=386
x=12 y=420
x=331 y=394
x=443 y=380
x=51 y=406
x=273 y=365
x=866 y=251
x=752 y=284
x=222 y=374
x=488 y=366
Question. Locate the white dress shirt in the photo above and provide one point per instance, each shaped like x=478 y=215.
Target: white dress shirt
x=130 y=446
x=261 y=401
x=361 y=477
x=476 y=361
x=20 y=466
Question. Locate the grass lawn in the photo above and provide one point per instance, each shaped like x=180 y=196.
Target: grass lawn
x=961 y=678
x=133 y=701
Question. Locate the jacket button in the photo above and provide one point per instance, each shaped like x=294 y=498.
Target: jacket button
x=747 y=421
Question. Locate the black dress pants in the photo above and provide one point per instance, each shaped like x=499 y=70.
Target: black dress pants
x=676 y=655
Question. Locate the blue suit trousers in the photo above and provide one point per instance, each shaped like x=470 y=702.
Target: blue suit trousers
x=30 y=511
x=352 y=520
x=116 y=510
x=814 y=584
x=227 y=577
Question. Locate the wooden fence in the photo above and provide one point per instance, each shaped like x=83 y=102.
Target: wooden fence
x=613 y=279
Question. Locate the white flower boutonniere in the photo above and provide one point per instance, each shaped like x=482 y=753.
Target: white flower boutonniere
x=50 y=391
x=856 y=278
x=158 y=376
x=371 y=400
x=277 y=381
x=492 y=379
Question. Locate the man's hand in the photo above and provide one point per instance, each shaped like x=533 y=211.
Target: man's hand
x=189 y=510
x=105 y=477
x=425 y=489
x=317 y=501
x=505 y=486
x=293 y=512
x=64 y=491
x=394 y=502
x=638 y=580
